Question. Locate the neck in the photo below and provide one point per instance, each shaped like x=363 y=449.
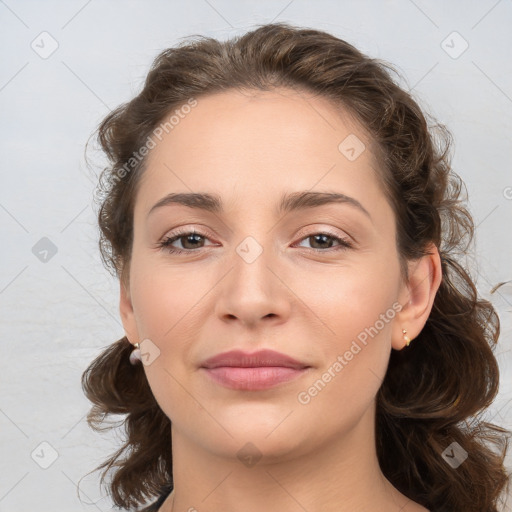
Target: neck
x=342 y=475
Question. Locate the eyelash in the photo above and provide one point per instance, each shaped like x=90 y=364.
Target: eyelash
x=166 y=242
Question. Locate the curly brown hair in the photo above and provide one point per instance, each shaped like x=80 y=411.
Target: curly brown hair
x=433 y=393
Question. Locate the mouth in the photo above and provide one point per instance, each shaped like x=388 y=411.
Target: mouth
x=260 y=370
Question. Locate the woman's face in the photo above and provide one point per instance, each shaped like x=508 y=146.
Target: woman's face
x=259 y=277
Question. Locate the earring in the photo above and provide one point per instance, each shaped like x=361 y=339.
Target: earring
x=406 y=338
x=135 y=354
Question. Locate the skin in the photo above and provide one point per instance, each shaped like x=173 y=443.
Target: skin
x=250 y=148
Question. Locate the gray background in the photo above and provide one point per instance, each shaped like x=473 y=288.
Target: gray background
x=59 y=310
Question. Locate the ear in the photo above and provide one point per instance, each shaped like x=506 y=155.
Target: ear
x=417 y=297
x=127 y=314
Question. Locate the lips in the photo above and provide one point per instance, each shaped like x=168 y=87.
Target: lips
x=240 y=359
x=252 y=372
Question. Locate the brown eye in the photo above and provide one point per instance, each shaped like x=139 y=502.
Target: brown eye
x=190 y=240
x=324 y=241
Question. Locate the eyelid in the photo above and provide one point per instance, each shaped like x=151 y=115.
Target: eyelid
x=304 y=232
x=183 y=231
x=301 y=236
x=189 y=229
x=312 y=229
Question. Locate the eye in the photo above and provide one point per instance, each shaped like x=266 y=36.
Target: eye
x=191 y=242
x=324 y=239
x=185 y=237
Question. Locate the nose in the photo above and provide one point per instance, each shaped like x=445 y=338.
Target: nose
x=254 y=289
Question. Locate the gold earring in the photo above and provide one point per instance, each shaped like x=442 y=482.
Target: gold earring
x=406 y=338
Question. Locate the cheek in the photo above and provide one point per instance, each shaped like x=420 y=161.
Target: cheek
x=163 y=301
x=164 y=298
x=356 y=308
x=350 y=300
x=355 y=361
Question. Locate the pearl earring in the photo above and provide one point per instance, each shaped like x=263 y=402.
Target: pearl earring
x=135 y=354
x=406 y=338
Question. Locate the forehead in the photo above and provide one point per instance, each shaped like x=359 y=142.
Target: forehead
x=262 y=143
x=276 y=118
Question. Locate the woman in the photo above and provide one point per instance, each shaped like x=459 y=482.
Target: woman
x=284 y=223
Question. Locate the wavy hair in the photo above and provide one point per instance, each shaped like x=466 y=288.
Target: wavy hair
x=435 y=392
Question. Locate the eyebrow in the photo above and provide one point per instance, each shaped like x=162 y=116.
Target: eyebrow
x=289 y=202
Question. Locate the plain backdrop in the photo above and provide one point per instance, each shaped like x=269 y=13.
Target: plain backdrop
x=64 y=65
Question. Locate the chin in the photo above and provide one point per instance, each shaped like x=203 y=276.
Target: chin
x=271 y=435
x=257 y=447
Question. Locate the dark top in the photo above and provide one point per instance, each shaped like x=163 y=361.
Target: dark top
x=154 y=507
